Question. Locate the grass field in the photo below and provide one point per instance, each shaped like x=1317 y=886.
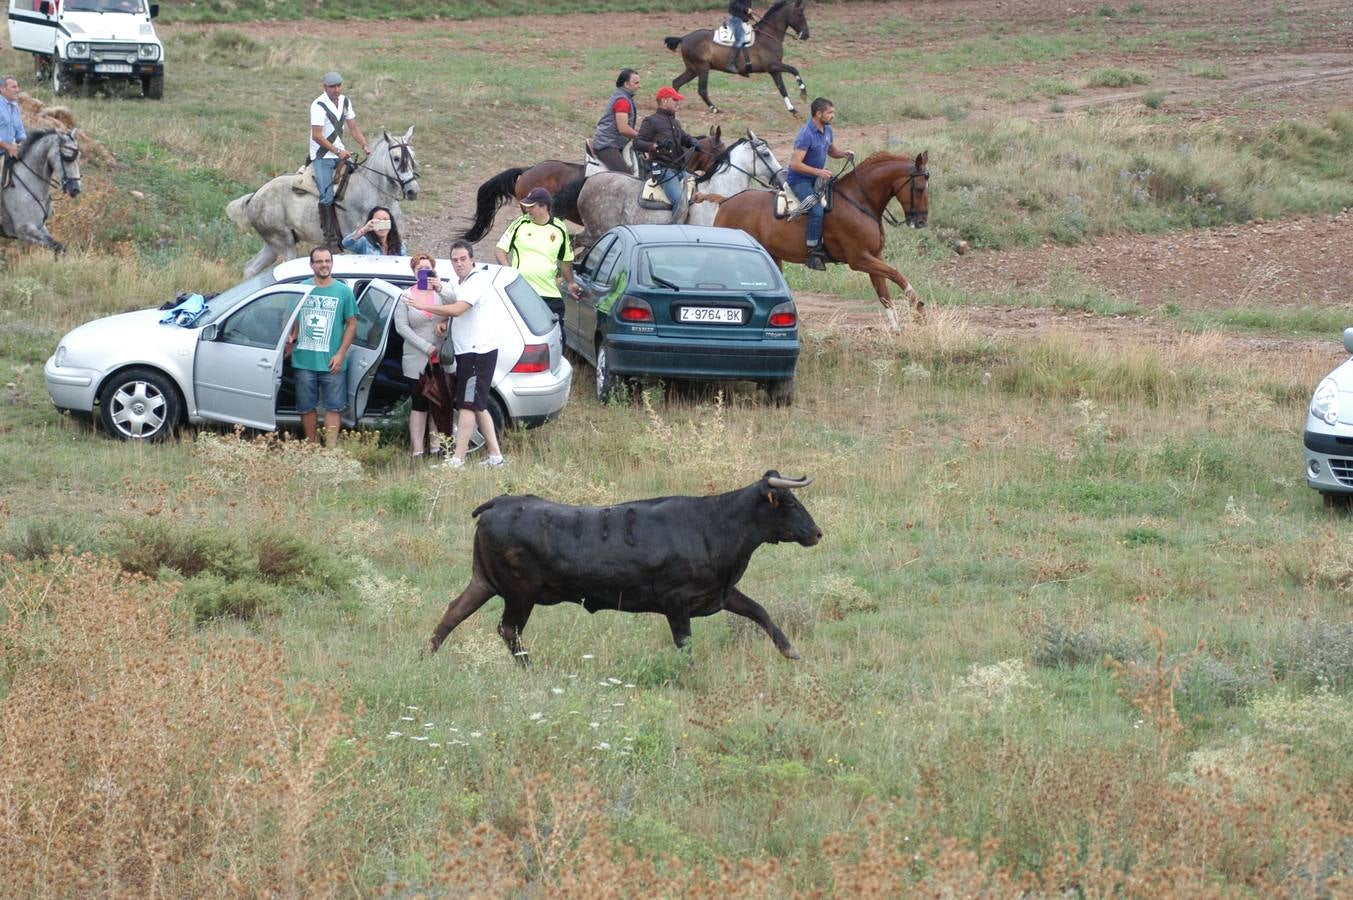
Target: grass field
x=1076 y=627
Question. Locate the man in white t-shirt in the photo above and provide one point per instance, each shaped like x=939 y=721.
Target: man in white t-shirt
x=330 y=112
x=480 y=319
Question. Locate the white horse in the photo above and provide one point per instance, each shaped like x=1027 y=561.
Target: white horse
x=285 y=217
x=612 y=198
x=26 y=204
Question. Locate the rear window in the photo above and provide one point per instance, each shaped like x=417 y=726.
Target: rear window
x=705 y=267
x=532 y=309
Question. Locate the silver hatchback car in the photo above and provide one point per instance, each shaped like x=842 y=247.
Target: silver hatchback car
x=145 y=378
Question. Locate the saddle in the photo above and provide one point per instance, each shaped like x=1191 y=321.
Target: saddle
x=592 y=165
x=652 y=196
x=788 y=206
x=303 y=182
x=723 y=35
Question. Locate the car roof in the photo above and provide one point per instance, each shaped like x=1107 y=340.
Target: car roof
x=349 y=265
x=688 y=234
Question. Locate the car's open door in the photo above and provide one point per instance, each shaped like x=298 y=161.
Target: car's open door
x=374 y=307
x=239 y=359
x=32 y=25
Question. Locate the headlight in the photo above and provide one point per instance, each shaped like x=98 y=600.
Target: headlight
x=77 y=49
x=1325 y=403
x=148 y=51
x=60 y=357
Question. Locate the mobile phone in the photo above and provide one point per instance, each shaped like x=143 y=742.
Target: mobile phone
x=423 y=279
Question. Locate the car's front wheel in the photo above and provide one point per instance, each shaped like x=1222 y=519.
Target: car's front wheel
x=140 y=405
x=606 y=379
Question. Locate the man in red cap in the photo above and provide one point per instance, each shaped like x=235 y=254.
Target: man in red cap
x=667 y=143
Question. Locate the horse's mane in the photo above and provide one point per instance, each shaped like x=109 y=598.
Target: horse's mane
x=882 y=156
x=33 y=140
x=721 y=160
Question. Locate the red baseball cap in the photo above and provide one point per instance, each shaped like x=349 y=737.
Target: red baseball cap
x=667 y=92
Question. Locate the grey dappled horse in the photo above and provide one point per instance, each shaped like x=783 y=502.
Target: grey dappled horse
x=47 y=157
x=612 y=198
x=284 y=217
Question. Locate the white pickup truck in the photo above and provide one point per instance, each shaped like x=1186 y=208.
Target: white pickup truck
x=76 y=42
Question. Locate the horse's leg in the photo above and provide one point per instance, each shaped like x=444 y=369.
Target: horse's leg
x=889 y=311
x=684 y=77
x=262 y=259
x=704 y=89
x=803 y=88
x=784 y=95
x=874 y=266
x=38 y=234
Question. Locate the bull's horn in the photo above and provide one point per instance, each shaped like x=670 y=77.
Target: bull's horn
x=777 y=482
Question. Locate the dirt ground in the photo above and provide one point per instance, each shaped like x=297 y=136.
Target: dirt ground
x=1297 y=262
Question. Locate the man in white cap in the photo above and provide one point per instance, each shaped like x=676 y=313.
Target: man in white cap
x=328 y=114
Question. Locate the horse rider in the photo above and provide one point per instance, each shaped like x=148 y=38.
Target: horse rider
x=328 y=114
x=667 y=143
x=739 y=17
x=615 y=128
x=807 y=177
x=12 y=133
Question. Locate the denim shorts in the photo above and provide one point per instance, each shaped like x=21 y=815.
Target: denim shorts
x=332 y=387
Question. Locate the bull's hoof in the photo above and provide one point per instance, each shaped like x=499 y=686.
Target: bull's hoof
x=790 y=653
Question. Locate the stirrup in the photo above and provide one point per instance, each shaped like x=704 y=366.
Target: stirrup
x=816 y=259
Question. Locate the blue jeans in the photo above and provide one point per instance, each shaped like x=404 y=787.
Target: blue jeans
x=739 y=30
x=670 y=182
x=802 y=190
x=325 y=167
x=331 y=390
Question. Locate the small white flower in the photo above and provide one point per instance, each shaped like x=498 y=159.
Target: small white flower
x=418 y=737
x=476 y=734
x=406 y=718
x=618 y=703
x=602 y=746
x=556 y=690
x=615 y=681
x=593 y=724
x=395 y=734
x=536 y=717
x=428 y=725
x=411 y=708
x=434 y=744
x=588 y=656
x=629 y=684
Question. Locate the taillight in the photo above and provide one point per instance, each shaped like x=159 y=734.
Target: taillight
x=534 y=358
x=784 y=316
x=632 y=309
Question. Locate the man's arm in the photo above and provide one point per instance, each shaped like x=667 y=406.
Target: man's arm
x=622 y=124
x=357 y=133
x=501 y=255
x=349 y=332
x=566 y=269
x=644 y=139
x=796 y=164
x=317 y=132
x=840 y=154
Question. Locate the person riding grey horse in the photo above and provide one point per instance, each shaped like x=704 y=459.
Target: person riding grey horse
x=739 y=17
x=667 y=143
x=615 y=128
x=46 y=158
x=12 y=133
x=329 y=112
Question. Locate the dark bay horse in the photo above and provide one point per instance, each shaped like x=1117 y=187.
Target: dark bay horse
x=554 y=175
x=853 y=230
x=700 y=53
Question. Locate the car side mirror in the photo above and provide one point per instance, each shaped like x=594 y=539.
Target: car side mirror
x=154 y=10
x=211 y=332
x=45 y=8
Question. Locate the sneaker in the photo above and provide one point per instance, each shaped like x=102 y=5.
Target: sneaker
x=453 y=462
x=493 y=462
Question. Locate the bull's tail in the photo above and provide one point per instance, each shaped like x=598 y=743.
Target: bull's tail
x=672 y=42
x=492 y=195
x=237 y=210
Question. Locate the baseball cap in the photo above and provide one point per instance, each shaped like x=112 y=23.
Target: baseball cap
x=667 y=91
x=537 y=195
x=332 y=78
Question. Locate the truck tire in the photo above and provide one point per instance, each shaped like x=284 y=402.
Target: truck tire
x=59 y=84
x=152 y=86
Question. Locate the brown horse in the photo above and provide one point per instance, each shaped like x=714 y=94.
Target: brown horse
x=554 y=175
x=700 y=53
x=853 y=230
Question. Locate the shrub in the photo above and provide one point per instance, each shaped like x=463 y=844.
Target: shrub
x=1064 y=647
x=148 y=545
x=214 y=597
x=1117 y=78
x=1208 y=678
x=53 y=536
x=1320 y=654
x=1154 y=99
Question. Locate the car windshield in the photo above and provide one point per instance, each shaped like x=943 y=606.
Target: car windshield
x=533 y=310
x=706 y=267
x=228 y=298
x=118 y=6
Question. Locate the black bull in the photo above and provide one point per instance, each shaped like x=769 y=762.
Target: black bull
x=680 y=557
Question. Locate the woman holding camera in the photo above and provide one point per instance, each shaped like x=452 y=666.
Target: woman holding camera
x=422 y=332
x=378 y=237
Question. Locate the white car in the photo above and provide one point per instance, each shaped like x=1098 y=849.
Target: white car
x=1329 y=434
x=145 y=378
x=83 y=42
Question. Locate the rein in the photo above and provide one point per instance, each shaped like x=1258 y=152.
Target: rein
x=725 y=161
x=397 y=178
x=884 y=214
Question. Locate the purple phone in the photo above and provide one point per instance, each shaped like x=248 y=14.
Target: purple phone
x=423 y=279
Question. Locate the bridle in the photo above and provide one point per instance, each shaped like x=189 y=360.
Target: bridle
x=407 y=161
x=759 y=146
x=911 y=216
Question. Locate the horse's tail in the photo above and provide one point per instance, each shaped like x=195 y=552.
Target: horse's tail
x=237 y=210
x=672 y=43
x=492 y=195
x=565 y=203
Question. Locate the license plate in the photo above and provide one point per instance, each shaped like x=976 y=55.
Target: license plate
x=718 y=315
x=113 y=68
